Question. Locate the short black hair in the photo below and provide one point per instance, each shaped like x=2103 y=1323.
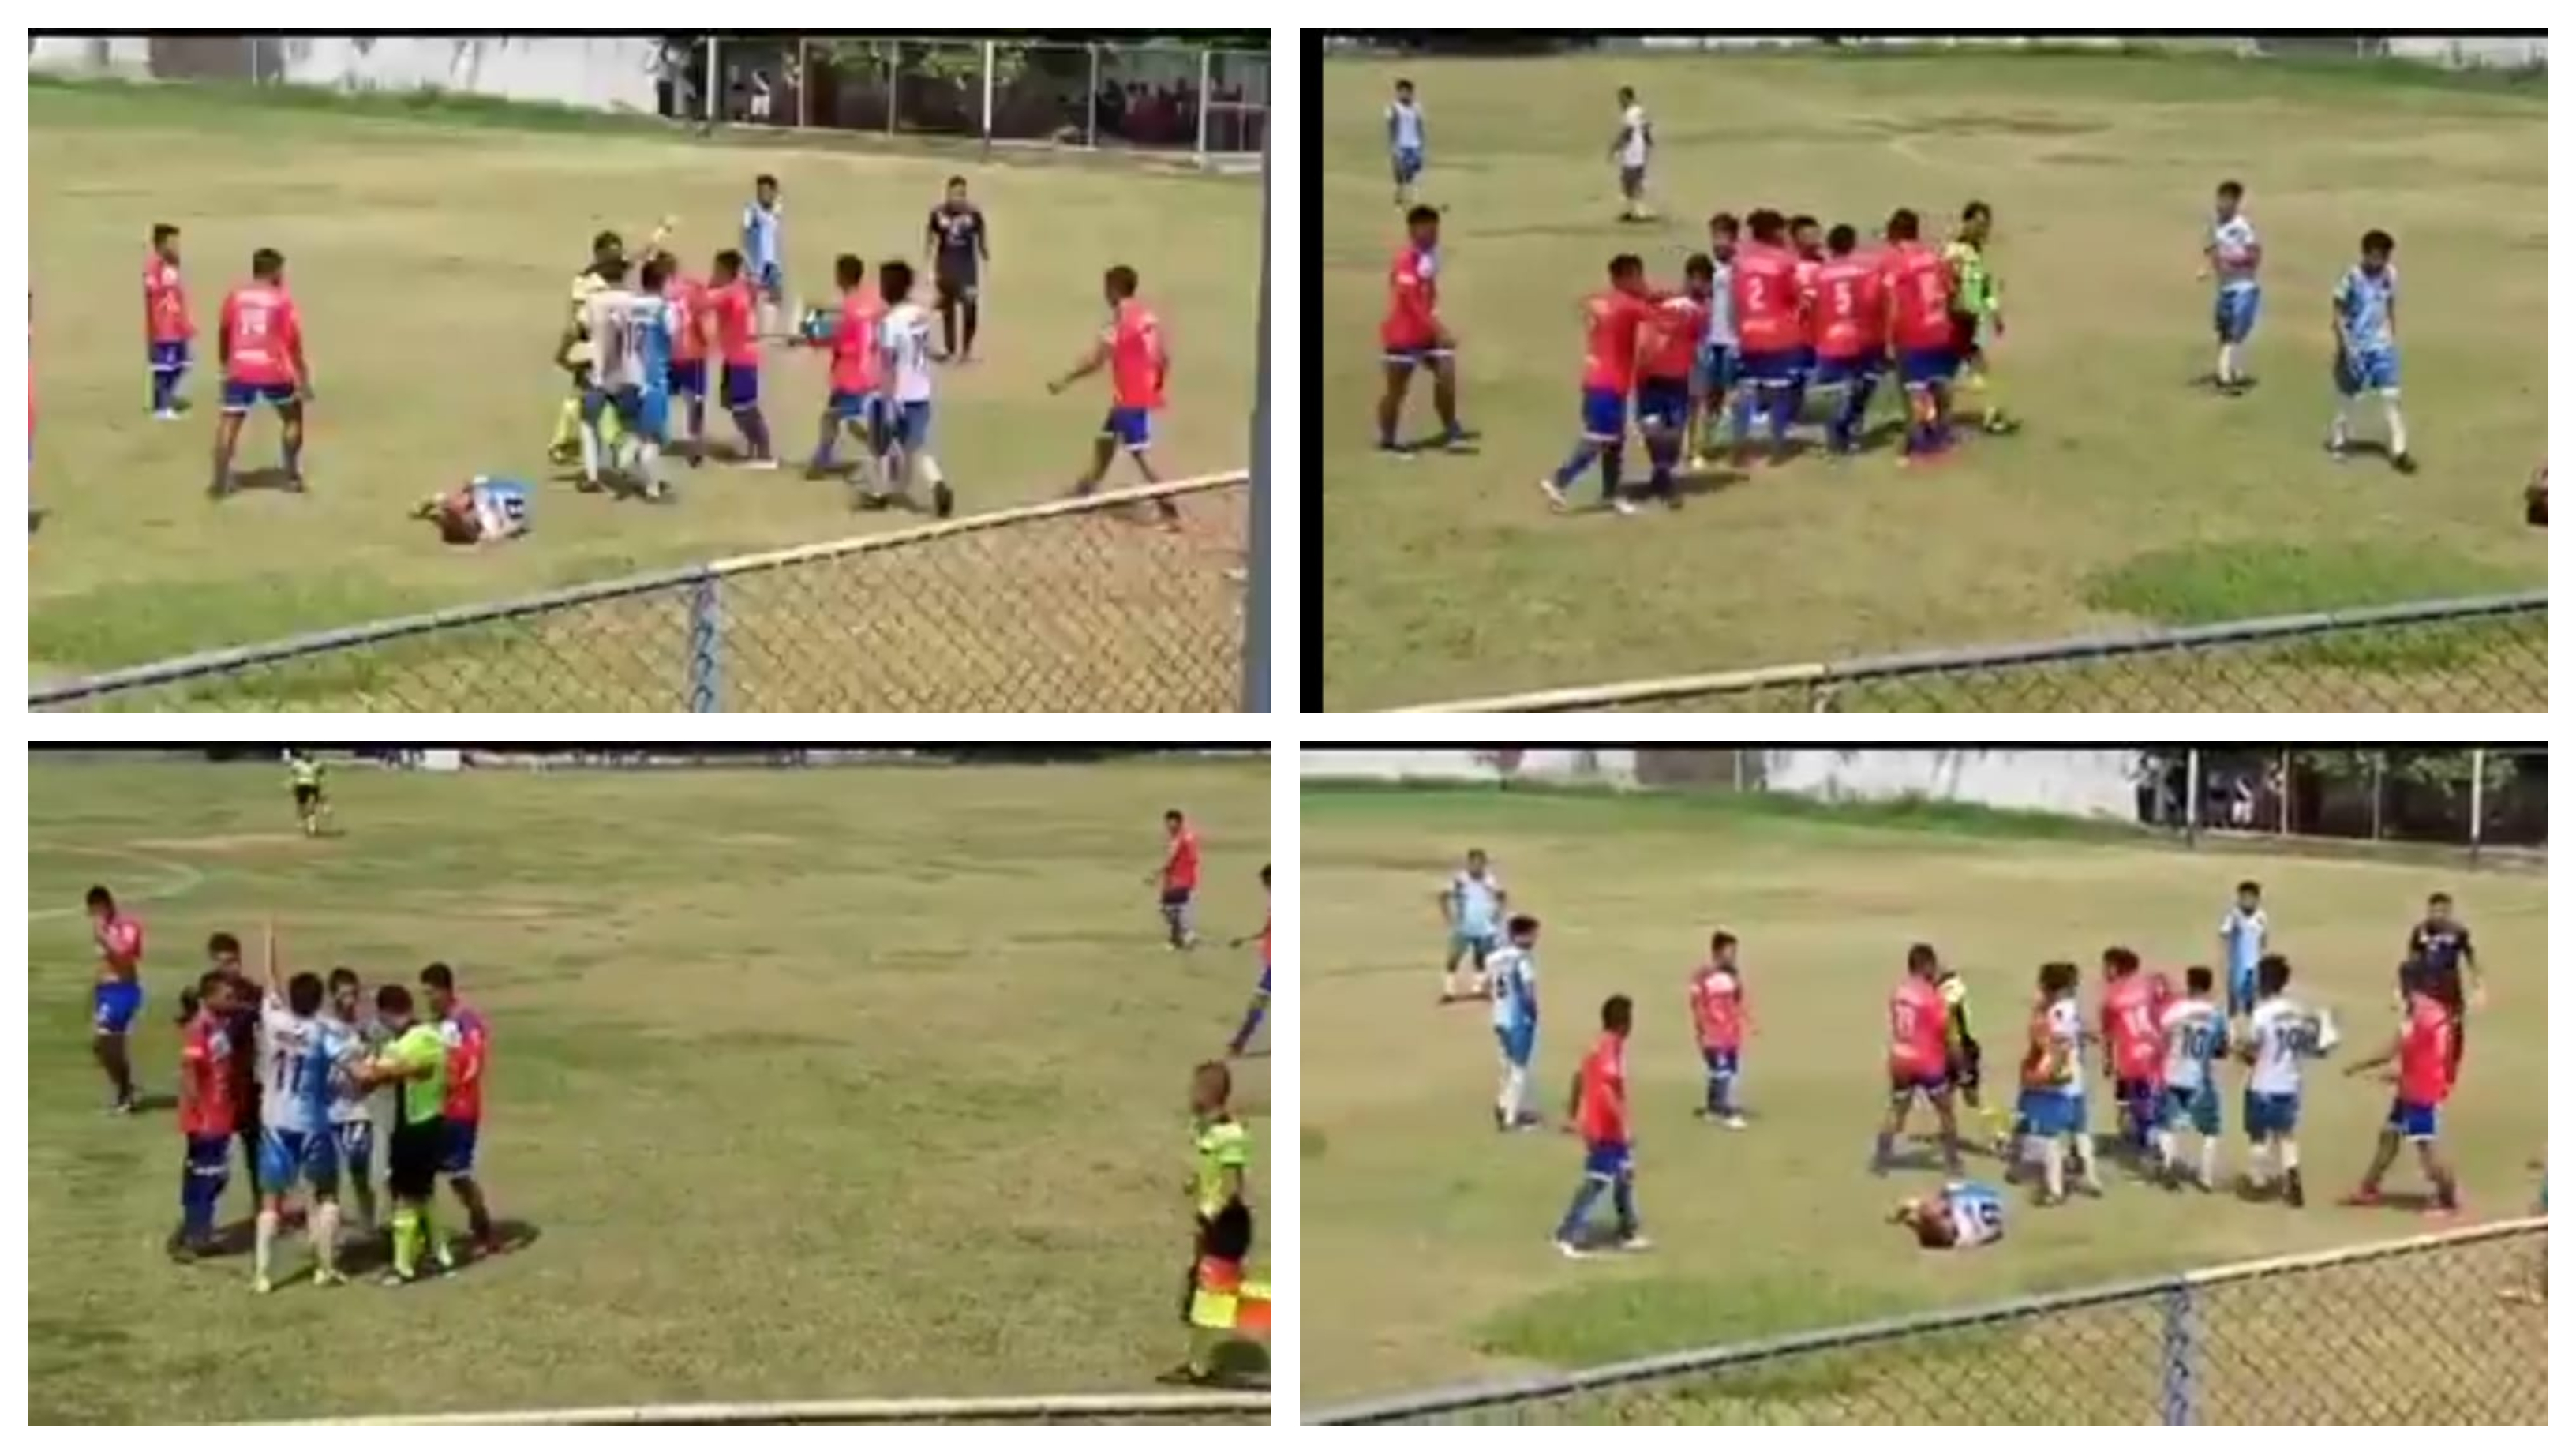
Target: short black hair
x=1626 y=265
x=1403 y=83
x=438 y=976
x=2272 y=973
x=765 y=179
x=1121 y=280
x=1521 y=924
x=1725 y=222
x=1699 y=265
x=2376 y=240
x=957 y=181
x=604 y=242
x=1764 y=224
x=2198 y=980
x=1920 y=956
x=848 y=270
x=1842 y=238
x=1617 y=1012
x=894 y=280
x=304 y=993
x=99 y=898
x=1171 y=815
x=393 y=999
x=266 y=263
x=1802 y=222
x=654 y=274
x=2122 y=960
x=2439 y=896
x=2059 y=976
x=2231 y=189
x=163 y=231
x=1720 y=942
x=1420 y=214
x=1265 y=875
x=343 y=975
x=728 y=260
x=222 y=943
x=609 y=270
x=1976 y=212
x=2249 y=886
x=1903 y=225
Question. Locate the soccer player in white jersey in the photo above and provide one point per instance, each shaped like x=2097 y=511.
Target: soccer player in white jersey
x=1634 y=144
x=2194 y=1030
x=299 y=1059
x=2281 y=1037
x=903 y=340
x=2052 y=1086
x=2365 y=334
x=2244 y=937
x=1961 y=1215
x=614 y=319
x=1471 y=904
x=352 y=1119
x=1511 y=979
x=2234 y=256
x=1716 y=374
x=1405 y=135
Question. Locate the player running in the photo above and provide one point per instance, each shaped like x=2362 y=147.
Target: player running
x=2194 y=1032
x=300 y=1056
x=959 y=248
x=468 y=1041
x=1920 y=293
x=1612 y=320
x=903 y=343
x=1918 y=1060
x=205 y=1113
x=1512 y=983
x=1177 y=881
x=1472 y=904
x=2052 y=1087
x=1597 y=1110
x=1413 y=336
x=482 y=511
x=2365 y=337
x=117 y=998
x=2244 y=937
x=2441 y=942
x=2423 y=1055
x=1632 y=148
x=1139 y=365
x=1771 y=331
x=1406 y=136
x=2233 y=255
x=2133 y=1007
x=1719 y=1014
x=261 y=339
x=352 y=1121
x=1849 y=327
x=1977 y=312
x=1260 y=1006
x=167 y=329
x=730 y=316
x=1668 y=347
x=304 y=774
x=1961 y=1215
x=2281 y=1037
x=855 y=400
x=413 y=1060
x=764 y=248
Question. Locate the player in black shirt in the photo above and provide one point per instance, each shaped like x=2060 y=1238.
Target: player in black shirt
x=2441 y=945
x=959 y=247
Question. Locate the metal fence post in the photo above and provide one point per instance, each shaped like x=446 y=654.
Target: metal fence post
x=2477 y=801
x=804 y=88
x=713 y=76
x=1207 y=57
x=2191 y=798
x=1091 y=100
x=894 y=78
x=988 y=98
x=706 y=640
x=1256 y=575
x=2285 y=792
x=2181 y=1353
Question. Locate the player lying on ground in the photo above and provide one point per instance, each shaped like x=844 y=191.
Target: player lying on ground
x=482 y=511
x=1959 y=1216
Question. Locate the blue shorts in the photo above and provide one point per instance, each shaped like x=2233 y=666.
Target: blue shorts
x=2140 y=1097
x=1132 y=428
x=1663 y=404
x=771 y=279
x=1717 y=368
x=2048 y=1113
x=1606 y=1160
x=209 y=1157
x=2413 y=1122
x=2267 y=1115
x=113 y=1004
x=2235 y=313
x=1462 y=942
x=2371 y=371
x=356 y=1142
x=168 y=358
x=1408 y=164
x=456 y=1155
x=240 y=396
x=688 y=378
x=1902 y=1087
x=1921 y=368
x=1774 y=368
x=1517 y=1043
x=908 y=423
x=2240 y=990
x=1265 y=980
x=1803 y=359
x=1859 y=371
x=286 y=1157
x=2197 y=1109
x=1414 y=354
x=1722 y=1063
x=846 y=404
x=1605 y=415
x=741 y=386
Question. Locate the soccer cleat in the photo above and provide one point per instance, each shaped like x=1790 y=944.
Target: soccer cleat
x=1732 y=1122
x=1571 y=1250
x=943 y=501
x=762 y=462
x=1459 y=440
x=1636 y=1242
x=1555 y=493
x=2293 y=1191
x=1623 y=505
x=262 y=1285
x=2360 y=1197
x=329 y=1277
x=2404 y=464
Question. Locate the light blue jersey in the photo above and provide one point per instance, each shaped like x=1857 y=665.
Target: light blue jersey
x=2365 y=307
x=2195 y=1034
x=1976 y=1214
x=761 y=242
x=296 y=1065
x=1511 y=978
x=1404 y=126
x=500 y=506
x=1721 y=306
x=2236 y=256
x=2245 y=933
x=1476 y=904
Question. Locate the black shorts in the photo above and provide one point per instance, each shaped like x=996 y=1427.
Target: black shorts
x=412 y=1155
x=956 y=288
x=1967 y=1064
x=1227 y=1236
x=1963 y=337
x=307 y=794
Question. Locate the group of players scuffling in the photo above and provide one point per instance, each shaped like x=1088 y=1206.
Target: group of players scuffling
x=1782 y=308
x=642 y=335
x=2165 y=1043
x=292 y=1067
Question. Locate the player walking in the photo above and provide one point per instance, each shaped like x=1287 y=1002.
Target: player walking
x=261 y=338
x=1918 y=1060
x=1977 y=312
x=2132 y=1016
x=312 y=804
x=2233 y=255
x=1512 y=982
x=2244 y=936
x=903 y=342
x=1597 y=1110
x=117 y=998
x=2423 y=1055
x=1718 y=1013
x=1612 y=320
x=167 y=329
x=2281 y=1037
x=1260 y=1006
x=1139 y=365
x=960 y=248
x=2365 y=335
x=1215 y=1295
x=2194 y=1031
x=1406 y=136
x=1632 y=147
x=1413 y=336
x=1471 y=905
x=1177 y=880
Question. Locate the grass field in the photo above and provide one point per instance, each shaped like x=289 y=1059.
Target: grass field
x=2132 y=497
x=868 y=1081
x=430 y=254
x=1424 y=1236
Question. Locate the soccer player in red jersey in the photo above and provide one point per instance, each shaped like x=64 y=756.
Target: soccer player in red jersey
x=1178 y=879
x=1260 y=1006
x=206 y=1051
x=262 y=343
x=1668 y=350
x=1807 y=248
x=1920 y=290
x=1718 y=1012
x=851 y=402
x=1413 y=336
x=469 y=1050
x=166 y=326
x=117 y=998
x=1771 y=329
x=1611 y=321
x=1597 y=1110
x=732 y=308
x=2422 y=1054
x=1849 y=323
x=692 y=335
x=1139 y=365
x=1918 y=1058
x=2133 y=1006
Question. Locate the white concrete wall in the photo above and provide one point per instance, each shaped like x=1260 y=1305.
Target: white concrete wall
x=596 y=73
x=1536 y=764
x=2085 y=783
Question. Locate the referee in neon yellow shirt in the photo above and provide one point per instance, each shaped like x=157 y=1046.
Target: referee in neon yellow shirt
x=1979 y=313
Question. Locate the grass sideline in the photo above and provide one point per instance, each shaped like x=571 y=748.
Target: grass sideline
x=2129 y=500
x=832 y=1082
x=1423 y=1238
x=429 y=241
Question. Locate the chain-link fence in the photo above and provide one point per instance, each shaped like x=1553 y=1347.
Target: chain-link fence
x=1205 y=101
x=2448 y=1328
x=1147 y=1408
x=1075 y=606
x=2479 y=798
x=2481 y=654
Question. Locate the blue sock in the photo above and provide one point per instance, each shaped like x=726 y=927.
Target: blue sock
x=1660 y=456
x=1251 y=1022
x=697 y=416
x=160 y=390
x=1739 y=413
x=1784 y=411
x=1577 y=462
x=178 y=385
x=1571 y=1229
x=1847 y=419
x=1886 y=1148
x=1623 y=1200
x=755 y=430
x=1611 y=454
x=1721 y=1094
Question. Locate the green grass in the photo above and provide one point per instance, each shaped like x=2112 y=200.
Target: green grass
x=1423 y=1236
x=2132 y=498
x=842 y=1082
x=429 y=242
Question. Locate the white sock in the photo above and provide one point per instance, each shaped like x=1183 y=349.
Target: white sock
x=2258 y=1162
x=648 y=464
x=590 y=451
x=326 y=1235
x=2052 y=1167
x=2396 y=424
x=2289 y=1155
x=263 y=1241
x=930 y=466
x=2209 y=1161
x=2227 y=363
x=2165 y=1148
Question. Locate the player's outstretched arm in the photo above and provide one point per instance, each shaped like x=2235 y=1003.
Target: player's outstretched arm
x=1090 y=364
